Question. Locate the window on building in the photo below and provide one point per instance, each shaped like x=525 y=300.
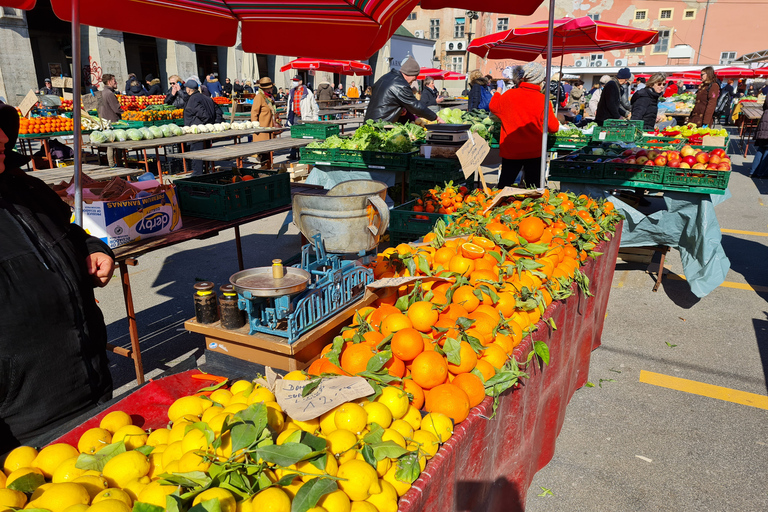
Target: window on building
x=502 y=24
x=663 y=44
x=641 y=14
x=665 y=14
x=434 y=29
x=727 y=57
x=411 y=16
x=689 y=14
x=457 y=63
x=11 y=12
x=596 y=56
x=458 y=28
x=635 y=50
x=594 y=17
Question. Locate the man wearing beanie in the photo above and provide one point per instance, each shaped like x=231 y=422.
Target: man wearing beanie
x=610 y=105
x=393 y=98
x=521 y=111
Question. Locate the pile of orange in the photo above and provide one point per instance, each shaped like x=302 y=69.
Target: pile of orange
x=448 y=337
x=448 y=199
x=42 y=125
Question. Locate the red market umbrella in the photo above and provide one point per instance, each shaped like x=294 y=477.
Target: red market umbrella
x=519 y=7
x=735 y=72
x=761 y=71
x=343 y=67
x=453 y=75
x=570 y=35
x=435 y=73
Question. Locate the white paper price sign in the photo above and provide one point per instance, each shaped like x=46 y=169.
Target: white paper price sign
x=472 y=154
x=330 y=393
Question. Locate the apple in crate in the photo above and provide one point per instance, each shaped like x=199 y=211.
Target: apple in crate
x=702 y=157
x=687 y=150
x=641 y=159
x=660 y=160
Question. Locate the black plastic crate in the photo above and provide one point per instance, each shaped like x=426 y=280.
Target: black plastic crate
x=577 y=166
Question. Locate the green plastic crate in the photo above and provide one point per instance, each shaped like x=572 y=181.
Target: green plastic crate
x=614 y=130
x=319 y=156
x=403 y=221
x=633 y=172
x=214 y=196
x=314 y=130
x=375 y=159
x=577 y=166
x=437 y=169
x=556 y=142
x=696 y=178
x=418 y=187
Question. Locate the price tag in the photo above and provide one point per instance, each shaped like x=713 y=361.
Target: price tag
x=28 y=102
x=330 y=393
x=90 y=102
x=59 y=81
x=472 y=154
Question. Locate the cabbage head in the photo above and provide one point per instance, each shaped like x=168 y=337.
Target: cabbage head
x=146 y=133
x=110 y=135
x=120 y=135
x=176 y=130
x=166 y=129
x=98 y=137
x=134 y=134
x=156 y=131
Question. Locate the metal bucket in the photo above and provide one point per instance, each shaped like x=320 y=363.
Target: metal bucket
x=351 y=217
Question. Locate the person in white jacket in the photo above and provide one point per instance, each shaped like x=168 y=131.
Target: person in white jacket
x=595 y=99
x=309 y=109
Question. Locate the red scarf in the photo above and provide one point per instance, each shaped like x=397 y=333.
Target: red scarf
x=297 y=99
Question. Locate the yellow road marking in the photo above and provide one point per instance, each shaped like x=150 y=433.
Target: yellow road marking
x=727 y=284
x=703 y=389
x=740 y=232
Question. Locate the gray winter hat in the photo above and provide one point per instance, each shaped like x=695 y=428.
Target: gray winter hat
x=534 y=73
x=410 y=67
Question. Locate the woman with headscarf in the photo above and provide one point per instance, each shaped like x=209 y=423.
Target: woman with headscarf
x=706 y=98
x=522 y=127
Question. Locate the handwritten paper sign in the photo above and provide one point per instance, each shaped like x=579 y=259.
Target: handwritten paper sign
x=389 y=282
x=28 y=102
x=331 y=393
x=59 y=81
x=90 y=101
x=472 y=154
x=510 y=192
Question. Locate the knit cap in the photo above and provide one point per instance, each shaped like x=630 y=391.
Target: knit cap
x=533 y=73
x=410 y=67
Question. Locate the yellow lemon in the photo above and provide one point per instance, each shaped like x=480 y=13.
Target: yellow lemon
x=328 y=422
x=293 y=488
x=359 y=480
x=217 y=423
x=341 y=443
x=386 y=500
x=193 y=461
x=403 y=427
x=172 y=452
x=51 y=456
x=275 y=417
x=221 y=396
x=194 y=440
x=178 y=431
x=225 y=450
x=310 y=426
x=93 y=484
x=58 y=497
x=77 y=508
x=439 y=425
x=211 y=413
x=113 y=494
x=382 y=466
x=110 y=506
x=400 y=487
x=413 y=417
x=21 y=472
x=114 y=421
x=135 y=486
x=239 y=398
x=240 y=386
x=155 y=464
x=155 y=494
x=394 y=436
x=296 y=375
x=335 y=501
x=235 y=408
x=93 y=440
x=124 y=467
x=172 y=467
x=2 y=480
x=12 y=499
x=133 y=437
x=67 y=471
x=378 y=413
x=158 y=437
x=271 y=499
x=260 y=394
x=226 y=500
x=396 y=401
x=288 y=432
x=186 y=405
x=351 y=416
x=39 y=491
x=428 y=442
x=20 y=457
x=244 y=506
x=331 y=468
x=362 y=506
x=317 y=509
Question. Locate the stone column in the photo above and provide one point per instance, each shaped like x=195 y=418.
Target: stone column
x=17 y=70
x=176 y=58
x=103 y=51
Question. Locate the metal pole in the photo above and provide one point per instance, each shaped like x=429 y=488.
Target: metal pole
x=550 y=33
x=703 y=26
x=76 y=73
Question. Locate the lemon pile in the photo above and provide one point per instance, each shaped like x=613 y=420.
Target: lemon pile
x=140 y=472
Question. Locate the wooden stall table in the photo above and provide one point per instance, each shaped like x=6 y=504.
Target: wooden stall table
x=750 y=116
x=95 y=172
x=239 y=151
x=25 y=142
x=194 y=228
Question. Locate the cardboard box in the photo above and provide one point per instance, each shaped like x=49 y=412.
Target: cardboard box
x=120 y=222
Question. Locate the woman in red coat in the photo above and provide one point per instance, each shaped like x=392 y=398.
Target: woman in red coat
x=706 y=98
x=521 y=111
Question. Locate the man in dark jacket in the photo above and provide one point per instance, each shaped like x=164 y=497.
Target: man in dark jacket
x=610 y=105
x=109 y=108
x=200 y=109
x=153 y=85
x=49 y=89
x=392 y=95
x=133 y=87
x=429 y=96
x=53 y=359
x=177 y=94
x=227 y=88
x=324 y=92
x=237 y=89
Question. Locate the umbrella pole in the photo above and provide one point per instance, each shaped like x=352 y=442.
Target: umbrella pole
x=77 y=143
x=550 y=30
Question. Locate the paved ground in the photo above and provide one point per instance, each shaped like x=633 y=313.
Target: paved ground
x=625 y=445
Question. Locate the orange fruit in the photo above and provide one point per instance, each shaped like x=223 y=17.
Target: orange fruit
x=515 y=332
x=483 y=242
x=395 y=367
x=439 y=299
x=373 y=338
x=355 y=357
x=362 y=313
x=314 y=368
x=465 y=296
x=441 y=287
x=450 y=400
x=506 y=304
x=414 y=389
x=454 y=311
x=485 y=368
x=488 y=275
x=505 y=342
x=407 y=344
x=328 y=367
x=472 y=386
x=531 y=228
x=477 y=334
x=494 y=355
x=429 y=369
x=496 y=228
x=487 y=310
x=443 y=256
x=472 y=251
x=393 y=323
x=461 y=265
x=422 y=315
x=380 y=314
x=468 y=360
x=445 y=323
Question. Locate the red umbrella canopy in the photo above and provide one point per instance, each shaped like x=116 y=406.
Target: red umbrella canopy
x=435 y=73
x=452 y=75
x=519 y=7
x=293 y=27
x=571 y=35
x=344 y=67
x=761 y=71
x=735 y=72
x=19 y=4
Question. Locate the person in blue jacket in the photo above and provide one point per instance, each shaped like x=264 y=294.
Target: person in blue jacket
x=214 y=86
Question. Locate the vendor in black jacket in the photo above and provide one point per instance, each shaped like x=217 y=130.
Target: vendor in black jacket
x=430 y=97
x=610 y=106
x=200 y=109
x=393 y=98
x=645 y=102
x=53 y=361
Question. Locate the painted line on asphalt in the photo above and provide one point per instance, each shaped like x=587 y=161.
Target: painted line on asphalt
x=727 y=284
x=741 y=232
x=704 y=389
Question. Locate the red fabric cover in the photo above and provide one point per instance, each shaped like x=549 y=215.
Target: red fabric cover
x=147 y=406
x=19 y=4
x=344 y=67
x=519 y=7
x=521 y=111
x=489 y=465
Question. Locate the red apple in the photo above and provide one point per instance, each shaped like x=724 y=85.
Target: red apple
x=652 y=154
x=698 y=165
x=628 y=152
x=660 y=160
x=690 y=160
x=702 y=157
x=719 y=152
x=714 y=159
x=723 y=167
x=712 y=167
x=649 y=163
x=725 y=160
x=674 y=163
x=684 y=165
x=642 y=152
x=642 y=159
x=630 y=160
x=673 y=155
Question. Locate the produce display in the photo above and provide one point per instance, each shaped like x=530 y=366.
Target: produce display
x=571 y=130
x=139 y=102
x=686 y=158
x=683 y=102
x=432 y=200
x=221 y=100
x=154 y=113
x=440 y=347
x=377 y=136
x=58 y=124
x=485 y=124
x=166 y=130
x=690 y=130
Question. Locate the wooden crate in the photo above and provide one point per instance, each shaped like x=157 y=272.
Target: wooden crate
x=636 y=254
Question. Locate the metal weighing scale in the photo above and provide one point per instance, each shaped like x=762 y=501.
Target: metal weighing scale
x=448 y=134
